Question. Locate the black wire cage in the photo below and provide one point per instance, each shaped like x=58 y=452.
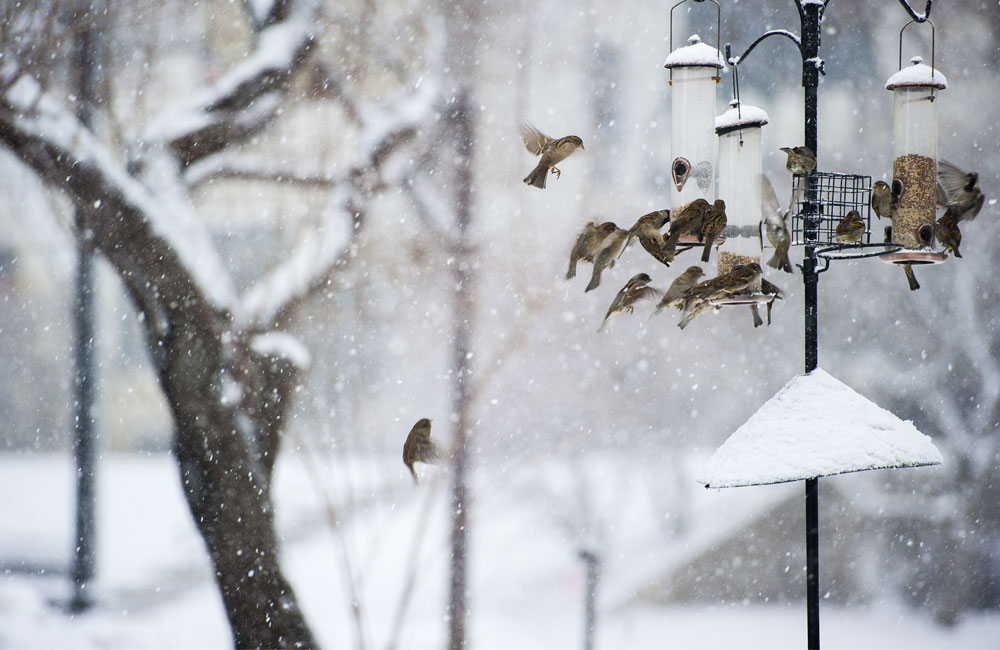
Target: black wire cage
x=820 y=202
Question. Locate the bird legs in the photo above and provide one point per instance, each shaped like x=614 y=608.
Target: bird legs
x=555 y=170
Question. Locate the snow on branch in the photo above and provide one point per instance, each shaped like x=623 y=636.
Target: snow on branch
x=242 y=101
x=308 y=267
x=124 y=214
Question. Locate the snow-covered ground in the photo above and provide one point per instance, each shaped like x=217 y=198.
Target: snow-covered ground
x=155 y=588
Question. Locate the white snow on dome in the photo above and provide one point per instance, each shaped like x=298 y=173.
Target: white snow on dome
x=816 y=426
x=918 y=74
x=696 y=54
x=745 y=116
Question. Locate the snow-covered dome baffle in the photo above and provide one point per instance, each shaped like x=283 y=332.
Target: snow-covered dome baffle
x=740 y=116
x=694 y=55
x=816 y=426
x=918 y=74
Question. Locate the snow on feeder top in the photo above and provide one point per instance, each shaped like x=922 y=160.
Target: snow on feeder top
x=915 y=152
x=816 y=426
x=739 y=131
x=694 y=73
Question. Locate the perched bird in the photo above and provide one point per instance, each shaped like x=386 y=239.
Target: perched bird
x=962 y=195
x=636 y=290
x=743 y=277
x=712 y=227
x=419 y=448
x=606 y=255
x=775 y=227
x=687 y=221
x=656 y=218
x=588 y=242
x=882 y=200
x=947 y=232
x=683 y=282
x=801 y=160
x=851 y=228
x=552 y=152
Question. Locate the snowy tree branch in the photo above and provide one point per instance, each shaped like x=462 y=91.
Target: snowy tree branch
x=308 y=267
x=184 y=268
x=248 y=97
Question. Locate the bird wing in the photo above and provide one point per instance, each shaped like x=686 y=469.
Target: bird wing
x=534 y=140
x=951 y=179
x=646 y=293
x=769 y=201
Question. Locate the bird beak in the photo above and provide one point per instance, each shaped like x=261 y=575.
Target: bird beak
x=581 y=147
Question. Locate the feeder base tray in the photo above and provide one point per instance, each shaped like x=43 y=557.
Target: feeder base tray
x=916 y=258
x=857 y=251
x=743 y=299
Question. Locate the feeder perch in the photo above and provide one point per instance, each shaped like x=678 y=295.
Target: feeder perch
x=816 y=426
x=739 y=135
x=694 y=73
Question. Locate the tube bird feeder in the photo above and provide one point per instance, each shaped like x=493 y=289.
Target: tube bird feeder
x=915 y=152
x=739 y=135
x=694 y=73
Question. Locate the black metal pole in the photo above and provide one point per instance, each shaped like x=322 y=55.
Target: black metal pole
x=593 y=563
x=85 y=61
x=811 y=14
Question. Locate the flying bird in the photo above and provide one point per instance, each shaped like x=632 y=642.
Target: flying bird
x=775 y=227
x=606 y=255
x=419 y=448
x=552 y=152
x=588 y=242
x=647 y=230
x=636 y=290
x=962 y=197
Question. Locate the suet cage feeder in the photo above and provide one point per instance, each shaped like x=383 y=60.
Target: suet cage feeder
x=822 y=200
x=915 y=152
x=694 y=73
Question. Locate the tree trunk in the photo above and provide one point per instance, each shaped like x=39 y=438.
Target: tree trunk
x=462 y=129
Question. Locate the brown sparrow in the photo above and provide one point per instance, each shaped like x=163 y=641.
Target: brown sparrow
x=801 y=160
x=419 y=448
x=588 y=243
x=636 y=290
x=851 y=228
x=552 y=152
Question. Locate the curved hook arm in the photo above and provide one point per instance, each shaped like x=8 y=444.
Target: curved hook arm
x=774 y=32
x=914 y=15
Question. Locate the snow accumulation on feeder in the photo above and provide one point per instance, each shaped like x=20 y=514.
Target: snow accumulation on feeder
x=914 y=167
x=816 y=426
x=694 y=73
x=739 y=136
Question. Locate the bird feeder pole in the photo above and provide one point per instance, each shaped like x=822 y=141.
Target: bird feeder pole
x=811 y=18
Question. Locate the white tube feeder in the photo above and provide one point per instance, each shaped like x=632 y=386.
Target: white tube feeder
x=915 y=153
x=740 y=168
x=694 y=73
